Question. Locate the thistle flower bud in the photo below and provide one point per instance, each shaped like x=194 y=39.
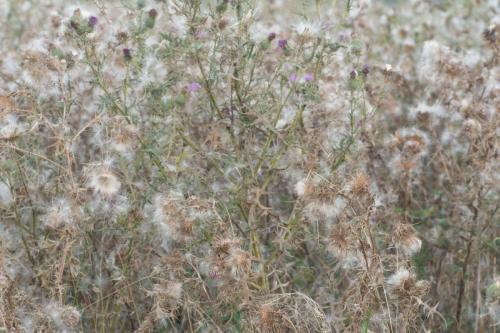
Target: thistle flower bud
x=127 y=54
x=153 y=13
x=151 y=19
x=366 y=69
x=79 y=25
x=353 y=75
x=75 y=20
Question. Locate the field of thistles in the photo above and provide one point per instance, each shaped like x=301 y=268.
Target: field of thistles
x=249 y=166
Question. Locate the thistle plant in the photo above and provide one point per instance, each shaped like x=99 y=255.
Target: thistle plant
x=249 y=166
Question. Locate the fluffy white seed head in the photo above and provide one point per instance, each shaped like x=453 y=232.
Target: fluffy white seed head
x=105 y=183
x=6 y=198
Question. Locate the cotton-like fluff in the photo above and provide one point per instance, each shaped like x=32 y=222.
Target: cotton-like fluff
x=403 y=285
x=11 y=127
x=104 y=182
x=432 y=54
x=169 y=221
x=60 y=214
x=405 y=238
x=6 y=198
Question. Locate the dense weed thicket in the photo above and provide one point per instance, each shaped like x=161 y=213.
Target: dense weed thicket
x=249 y=166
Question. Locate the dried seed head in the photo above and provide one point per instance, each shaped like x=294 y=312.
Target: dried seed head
x=71 y=317
x=490 y=35
x=122 y=36
x=404 y=285
x=6 y=198
x=239 y=262
x=223 y=24
x=340 y=240
x=401 y=282
x=472 y=128
x=303 y=188
x=360 y=184
x=269 y=319
x=170 y=293
x=405 y=237
x=124 y=138
x=60 y=214
x=11 y=127
x=105 y=183
x=223 y=246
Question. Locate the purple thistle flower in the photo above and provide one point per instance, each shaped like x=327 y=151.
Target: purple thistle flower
x=282 y=44
x=366 y=69
x=93 y=21
x=292 y=77
x=308 y=77
x=127 y=54
x=353 y=74
x=271 y=36
x=194 y=87
x=153 y=13
x=343 y=38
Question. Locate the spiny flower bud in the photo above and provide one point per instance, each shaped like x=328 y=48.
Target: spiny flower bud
x=75 y=20
x=153 y=13
x=366 y=69
x=353 y=75
x=151 y=19
x=127 y=54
